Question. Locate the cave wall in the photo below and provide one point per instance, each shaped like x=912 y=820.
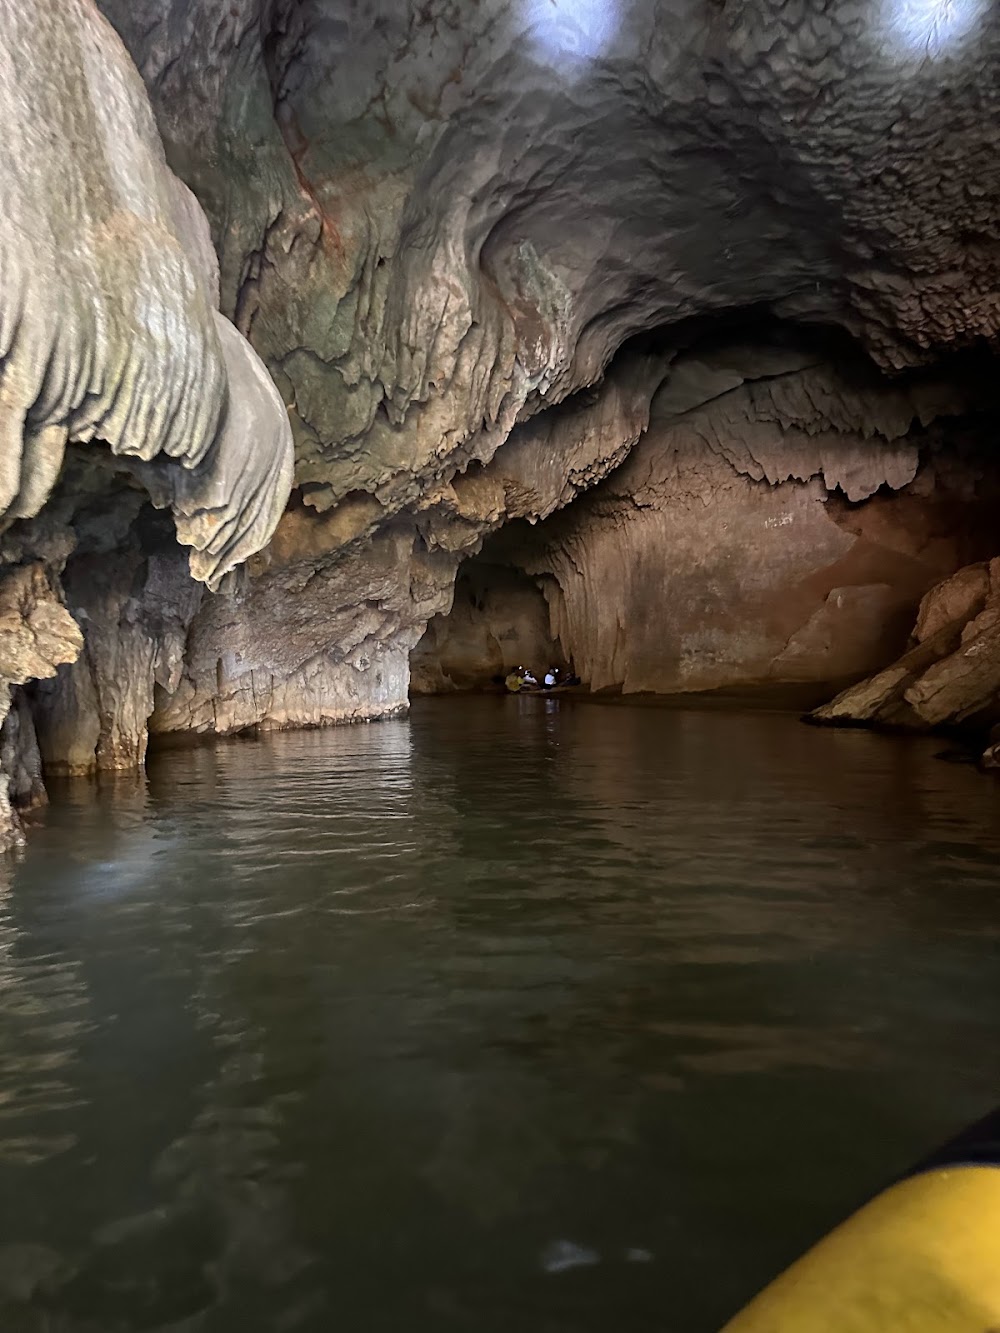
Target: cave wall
x=322 y=627
x=440 y=225
x=778 y=523
x=120 y=382
x=685 y=595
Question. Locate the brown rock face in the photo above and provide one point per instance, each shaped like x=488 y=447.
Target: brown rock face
x=37 y=634
x=723 y=552
x=951 y=671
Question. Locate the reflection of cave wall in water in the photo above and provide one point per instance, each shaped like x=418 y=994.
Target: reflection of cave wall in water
x=499 y=620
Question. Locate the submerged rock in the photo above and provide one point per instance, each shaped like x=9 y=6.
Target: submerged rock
x=27 y=1269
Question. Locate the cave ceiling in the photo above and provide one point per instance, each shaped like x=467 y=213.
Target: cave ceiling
x=435 y=218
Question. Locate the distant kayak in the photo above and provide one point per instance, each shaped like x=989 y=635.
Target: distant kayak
x=522 y=681
x=540 y=689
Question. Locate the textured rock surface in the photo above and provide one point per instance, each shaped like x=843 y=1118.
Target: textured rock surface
x=455 y=207
x=109 y=336
x=950 y=671
x=135 y=609
x=107 y=326
x=323 y=630
x=436 y=221
x=308 y=643
x=37 y=634
x=742 y=541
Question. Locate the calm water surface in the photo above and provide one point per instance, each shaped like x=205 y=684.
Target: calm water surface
x=520 y=1016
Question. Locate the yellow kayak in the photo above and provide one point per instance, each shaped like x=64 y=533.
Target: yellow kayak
x=922 y=1257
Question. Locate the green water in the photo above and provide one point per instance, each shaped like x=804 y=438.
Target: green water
x=519 y=1016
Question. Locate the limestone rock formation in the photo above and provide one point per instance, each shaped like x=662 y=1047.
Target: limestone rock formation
x=457 y=209
x=315 y=640
x=950 y=671
x=323 y=630
x=438 y=224
x=37 y=634
x=135 y=609
x=109 y=335
x=107 y=326
x=742 y=541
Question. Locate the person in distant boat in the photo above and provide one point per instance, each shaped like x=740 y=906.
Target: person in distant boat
x=551 y=678
x=521 y=679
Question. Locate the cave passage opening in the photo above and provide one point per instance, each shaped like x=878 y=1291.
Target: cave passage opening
x=755 y=510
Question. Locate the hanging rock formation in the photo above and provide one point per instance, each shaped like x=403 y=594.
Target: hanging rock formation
x=109 y=336
x=107 y=325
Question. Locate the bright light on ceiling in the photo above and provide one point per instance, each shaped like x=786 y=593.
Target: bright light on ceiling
x=568 y=33
x=931 y=28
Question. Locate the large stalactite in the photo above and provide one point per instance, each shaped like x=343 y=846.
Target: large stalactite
x=109 y=337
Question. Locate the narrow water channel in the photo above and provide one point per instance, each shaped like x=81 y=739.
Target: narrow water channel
x=519 y=1014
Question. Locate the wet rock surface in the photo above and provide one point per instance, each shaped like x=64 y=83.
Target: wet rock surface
x=37 y=635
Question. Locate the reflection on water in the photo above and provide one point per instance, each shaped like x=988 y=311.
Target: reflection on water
x=522 y=1014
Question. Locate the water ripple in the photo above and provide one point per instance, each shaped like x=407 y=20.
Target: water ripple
x=562 y=1018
